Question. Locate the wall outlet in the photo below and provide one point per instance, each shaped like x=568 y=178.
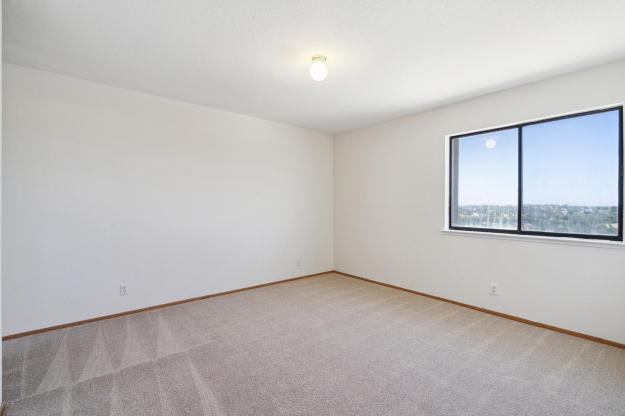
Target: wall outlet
x=299 y=262
x=493 y=289
x=123 y=289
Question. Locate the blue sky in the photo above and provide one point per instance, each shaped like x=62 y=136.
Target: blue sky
x=571 y=161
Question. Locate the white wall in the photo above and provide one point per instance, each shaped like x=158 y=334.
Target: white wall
x=104 y=185
x=1 y=146
x=389 y=211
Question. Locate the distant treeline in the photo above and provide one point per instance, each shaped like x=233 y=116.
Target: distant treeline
x=574 y=219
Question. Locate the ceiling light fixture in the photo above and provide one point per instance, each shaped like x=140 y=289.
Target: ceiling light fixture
x=318 y=68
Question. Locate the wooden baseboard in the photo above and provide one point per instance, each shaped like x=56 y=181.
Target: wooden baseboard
x=178 y=302
x=491 y=312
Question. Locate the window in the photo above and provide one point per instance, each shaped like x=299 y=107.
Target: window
x=560 y=177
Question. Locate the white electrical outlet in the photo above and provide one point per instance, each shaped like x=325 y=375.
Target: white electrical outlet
x=493 y=288
x=299 y=262
x=123 y=289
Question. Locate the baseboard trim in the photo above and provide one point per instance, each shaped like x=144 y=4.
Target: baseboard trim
x=178 y=302
x=149 y=308
x=492 y=312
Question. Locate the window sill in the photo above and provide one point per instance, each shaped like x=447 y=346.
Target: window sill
x=539 y=239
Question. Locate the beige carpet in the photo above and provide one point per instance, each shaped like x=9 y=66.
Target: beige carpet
x=327 y=345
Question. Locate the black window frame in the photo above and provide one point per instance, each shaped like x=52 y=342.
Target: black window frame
x=519 y=230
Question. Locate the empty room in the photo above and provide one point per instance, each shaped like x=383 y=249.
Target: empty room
x=313 y=208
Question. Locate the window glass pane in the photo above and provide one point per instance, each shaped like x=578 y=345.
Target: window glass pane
x=570 y=175
x=484 y=191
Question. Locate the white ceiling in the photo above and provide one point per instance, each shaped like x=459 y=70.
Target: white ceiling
x=386 y=58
